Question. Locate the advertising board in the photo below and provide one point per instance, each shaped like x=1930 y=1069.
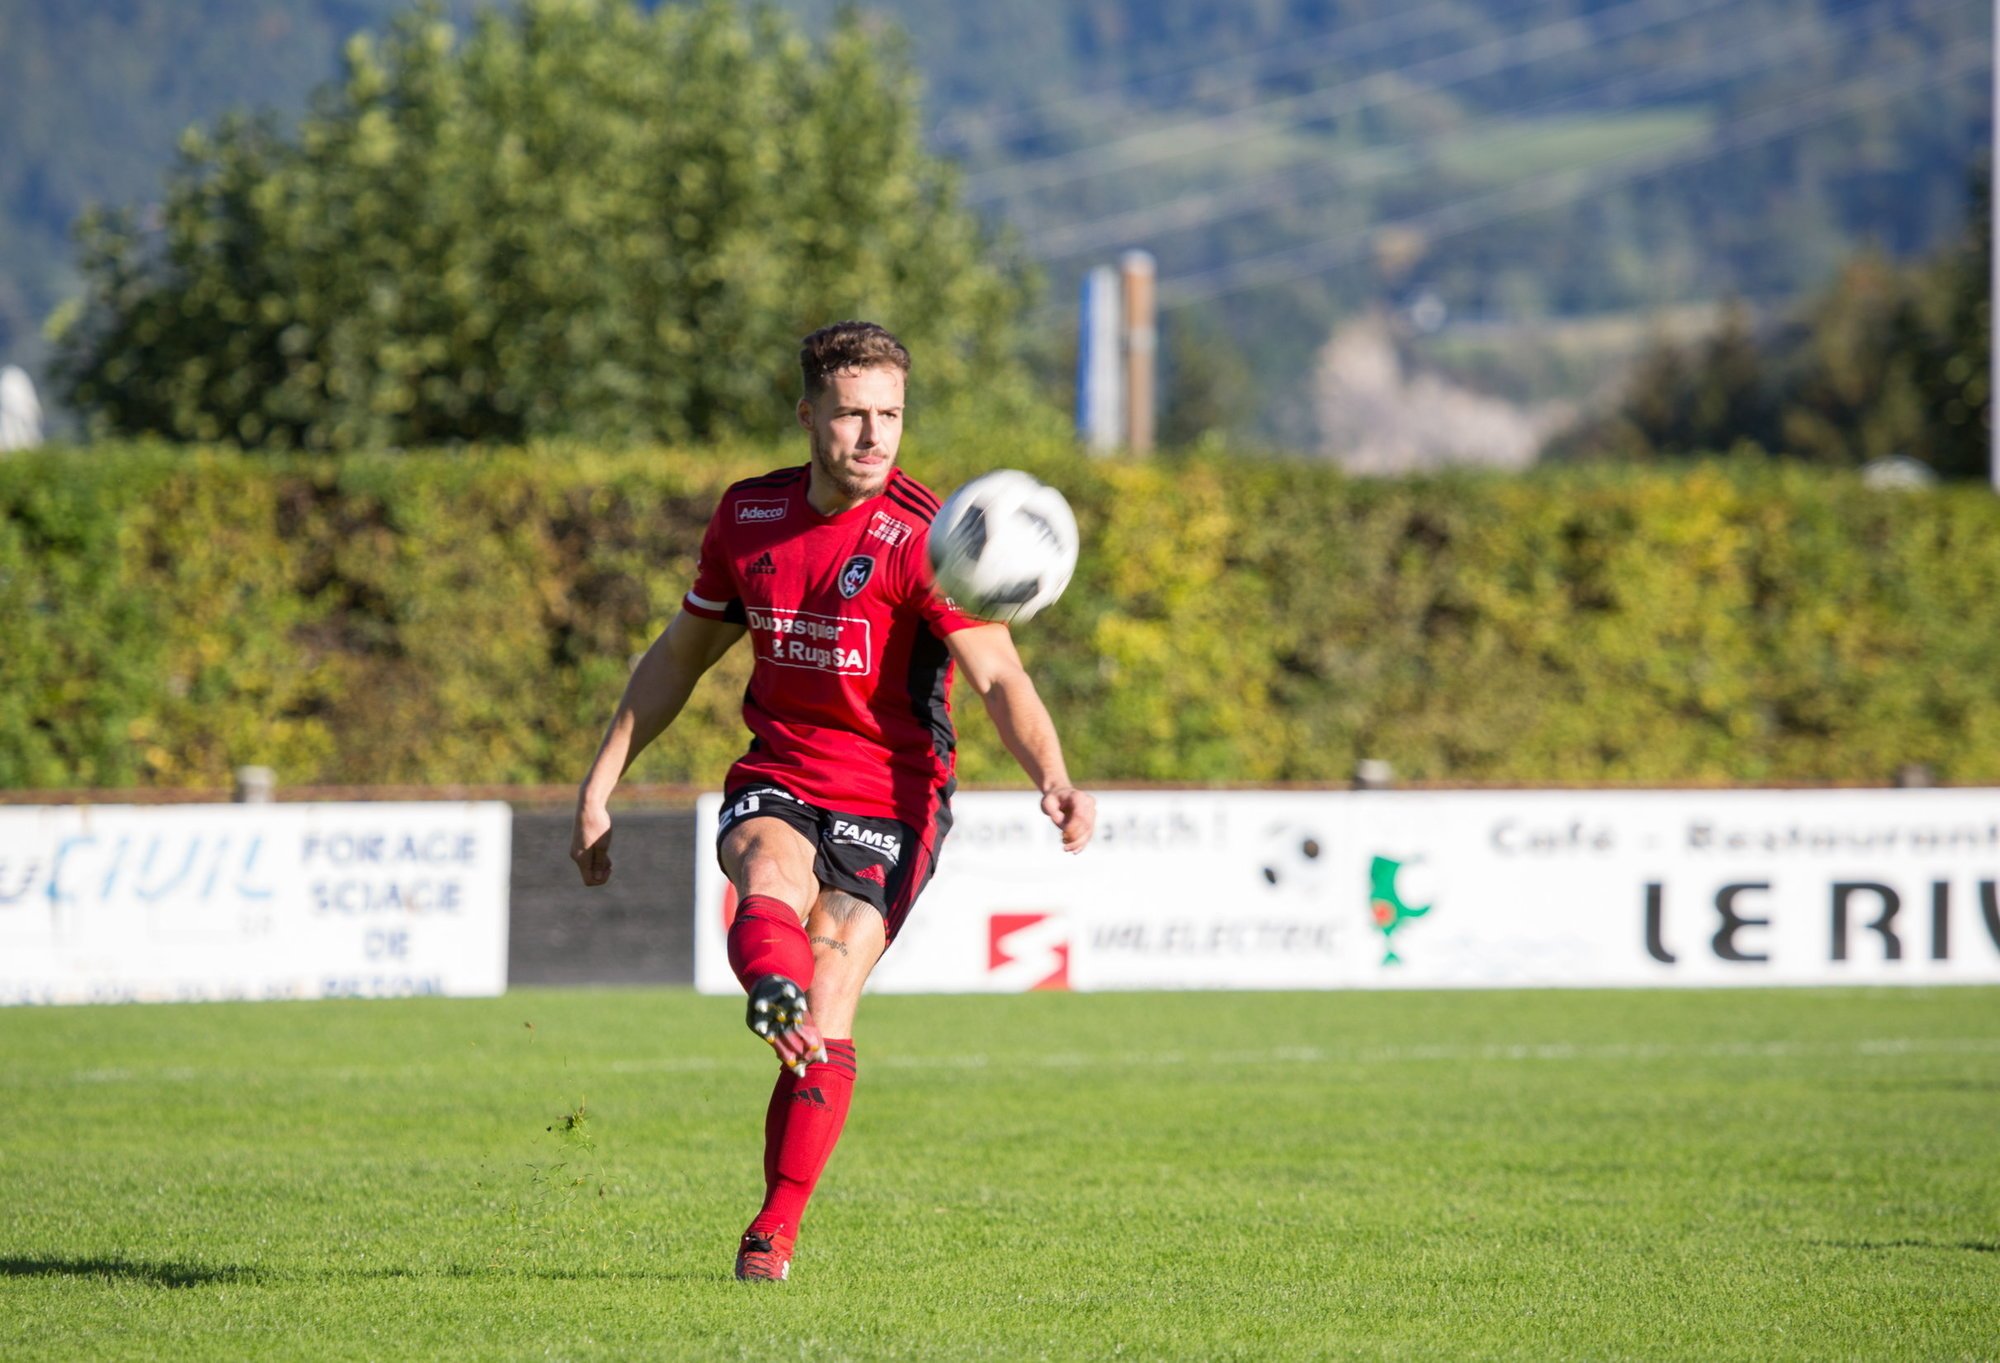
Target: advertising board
x=103 y=904
x=1408 y=889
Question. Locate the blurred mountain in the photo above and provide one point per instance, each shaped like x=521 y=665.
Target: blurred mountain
x=1499 y=165
x=1292 y=163
x=94 y=97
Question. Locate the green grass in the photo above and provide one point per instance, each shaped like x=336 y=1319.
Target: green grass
x=1531 y=1175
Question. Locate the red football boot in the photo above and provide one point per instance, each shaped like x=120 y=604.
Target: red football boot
x=778 y=1013
x=763 y=1258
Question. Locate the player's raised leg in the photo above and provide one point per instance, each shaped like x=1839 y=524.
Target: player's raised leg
x=808 y=1110
x=771 y=865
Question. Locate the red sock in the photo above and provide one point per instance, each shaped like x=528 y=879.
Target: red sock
x=766 y=939
x=801 y=1127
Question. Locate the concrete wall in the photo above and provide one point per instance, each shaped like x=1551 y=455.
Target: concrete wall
x=636 y=929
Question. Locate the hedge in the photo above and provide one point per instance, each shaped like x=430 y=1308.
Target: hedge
x=467 y=617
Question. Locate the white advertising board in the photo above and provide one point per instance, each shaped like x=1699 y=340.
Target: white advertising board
x=1364 y=890
x=112 y=904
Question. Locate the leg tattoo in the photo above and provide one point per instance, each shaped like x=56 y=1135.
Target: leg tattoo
x=842 y=907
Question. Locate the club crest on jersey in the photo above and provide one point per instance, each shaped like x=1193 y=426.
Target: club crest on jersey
x=854 y=574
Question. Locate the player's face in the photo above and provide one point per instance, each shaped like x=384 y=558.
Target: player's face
x=856 y=426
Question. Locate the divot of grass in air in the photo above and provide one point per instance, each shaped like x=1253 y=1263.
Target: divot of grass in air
x=549 y=1214
x=556 y=1214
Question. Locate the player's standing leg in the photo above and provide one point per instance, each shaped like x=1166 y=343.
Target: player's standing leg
x=771 y=864
x=807 y=1111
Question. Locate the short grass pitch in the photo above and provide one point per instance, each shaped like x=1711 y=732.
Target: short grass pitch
x=1800 y=1174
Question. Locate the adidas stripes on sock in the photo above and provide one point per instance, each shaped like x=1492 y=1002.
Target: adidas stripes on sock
x=801 y=1127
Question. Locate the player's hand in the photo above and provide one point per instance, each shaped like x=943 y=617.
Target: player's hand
x=1074 y=812
x=590 y=844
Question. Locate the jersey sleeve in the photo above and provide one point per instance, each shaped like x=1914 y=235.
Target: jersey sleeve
x=714 y=595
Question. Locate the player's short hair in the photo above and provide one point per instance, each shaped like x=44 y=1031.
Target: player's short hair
x=848 y=345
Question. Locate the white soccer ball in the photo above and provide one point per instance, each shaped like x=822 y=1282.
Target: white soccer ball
x=1003 y=546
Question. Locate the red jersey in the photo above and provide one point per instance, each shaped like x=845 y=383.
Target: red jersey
x=850 y=699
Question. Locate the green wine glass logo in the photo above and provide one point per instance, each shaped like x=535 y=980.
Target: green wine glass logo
x=1387 y=906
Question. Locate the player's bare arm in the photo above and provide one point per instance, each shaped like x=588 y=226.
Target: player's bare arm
x=991 y=665
x=659 y=688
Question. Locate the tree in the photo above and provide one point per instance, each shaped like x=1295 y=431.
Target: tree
x=1210 y=394
x=580 y=219
x=1888 y=359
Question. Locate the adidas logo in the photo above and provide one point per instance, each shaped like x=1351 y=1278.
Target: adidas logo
x=811 y=1095
x=872 y=873
x=763 y=563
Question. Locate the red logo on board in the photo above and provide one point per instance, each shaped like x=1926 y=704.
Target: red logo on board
x=1028 y=950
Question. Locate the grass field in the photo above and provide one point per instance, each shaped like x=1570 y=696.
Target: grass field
x=563 y=1175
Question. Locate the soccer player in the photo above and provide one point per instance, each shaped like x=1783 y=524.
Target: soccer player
x=832 y=821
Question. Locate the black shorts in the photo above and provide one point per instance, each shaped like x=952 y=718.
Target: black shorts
x=884 y=861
